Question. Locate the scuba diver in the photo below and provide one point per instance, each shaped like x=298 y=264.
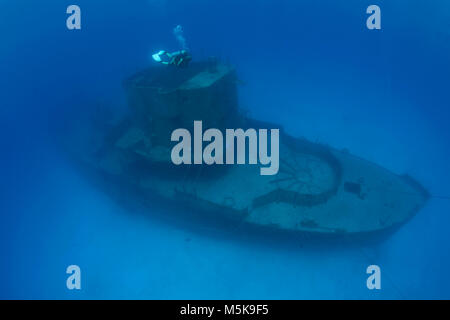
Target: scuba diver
x=179 y=58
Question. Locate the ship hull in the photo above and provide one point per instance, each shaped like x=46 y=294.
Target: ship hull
x=318 y=190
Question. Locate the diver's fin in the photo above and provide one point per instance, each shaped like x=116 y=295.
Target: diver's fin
x=157 y=56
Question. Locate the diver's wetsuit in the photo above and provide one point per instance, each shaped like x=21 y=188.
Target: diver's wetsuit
x=180 y=58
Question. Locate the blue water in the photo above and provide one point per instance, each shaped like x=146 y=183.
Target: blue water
x=312 y=66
